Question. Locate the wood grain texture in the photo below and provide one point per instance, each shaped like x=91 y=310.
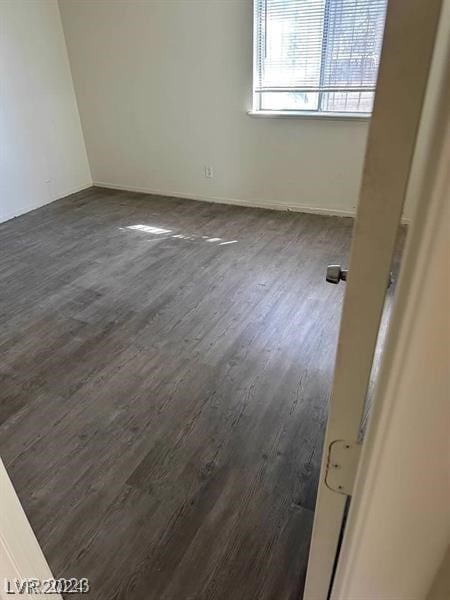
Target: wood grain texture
x=164 y=393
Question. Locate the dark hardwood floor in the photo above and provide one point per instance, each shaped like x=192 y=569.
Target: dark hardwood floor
x=165 y=371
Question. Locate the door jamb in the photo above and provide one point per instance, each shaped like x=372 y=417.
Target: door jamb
x=433 y=195
x=409 y=40
x=21 y=556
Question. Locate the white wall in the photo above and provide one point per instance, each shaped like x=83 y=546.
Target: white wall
x=163 y=88
x=42 y=152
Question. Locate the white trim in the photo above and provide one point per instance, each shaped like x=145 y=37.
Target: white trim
x=33 y=206
x=284 y=206
x=75 y=190
x=305 y=114
x=419 y=254
x=337 y=212
x=428 y=222
x=20 y=554
x=409 y=39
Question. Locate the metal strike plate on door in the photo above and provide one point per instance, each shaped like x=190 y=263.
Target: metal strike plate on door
x=343 y=457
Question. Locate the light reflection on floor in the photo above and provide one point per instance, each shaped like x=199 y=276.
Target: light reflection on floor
x=179 y=236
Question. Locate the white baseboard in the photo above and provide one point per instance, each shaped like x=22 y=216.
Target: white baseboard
x=33 y=206
x=302 y=208
x=75 y=190
x=337 y=212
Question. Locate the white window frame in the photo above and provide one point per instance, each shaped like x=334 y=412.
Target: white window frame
x=303 y=114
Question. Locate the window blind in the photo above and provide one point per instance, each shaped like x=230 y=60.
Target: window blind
x=317 y=55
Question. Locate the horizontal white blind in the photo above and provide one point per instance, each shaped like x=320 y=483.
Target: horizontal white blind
x=320 y=55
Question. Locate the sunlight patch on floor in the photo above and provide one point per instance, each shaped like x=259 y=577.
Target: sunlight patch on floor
x=152 y=229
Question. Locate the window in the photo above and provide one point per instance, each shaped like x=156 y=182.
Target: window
x=317 y=55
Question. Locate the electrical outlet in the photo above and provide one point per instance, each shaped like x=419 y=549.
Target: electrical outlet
x=209 y=172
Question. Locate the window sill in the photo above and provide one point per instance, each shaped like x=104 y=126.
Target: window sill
x=304 y=114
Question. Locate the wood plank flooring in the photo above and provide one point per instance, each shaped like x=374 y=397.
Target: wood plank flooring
x=165 y=371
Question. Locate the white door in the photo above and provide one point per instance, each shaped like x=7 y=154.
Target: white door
x=21 y=557
x=410 y=33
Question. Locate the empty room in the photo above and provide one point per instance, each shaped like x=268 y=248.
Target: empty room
x=224 y=336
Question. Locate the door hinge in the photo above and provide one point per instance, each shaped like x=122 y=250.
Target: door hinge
x=343 y=457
